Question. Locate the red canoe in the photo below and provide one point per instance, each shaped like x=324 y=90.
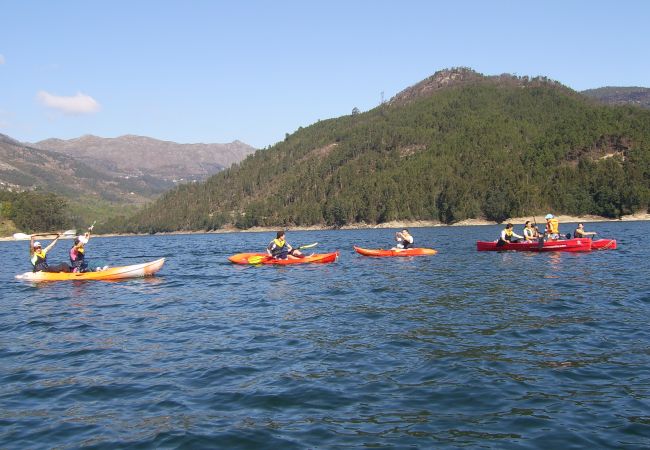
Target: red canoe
x=568 y=245
x=263 y=258
x=405 y=252
x=603 y=244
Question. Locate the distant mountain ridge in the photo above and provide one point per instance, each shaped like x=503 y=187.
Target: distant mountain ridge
x=132 y=155
x=617 y=95
x=454 y=146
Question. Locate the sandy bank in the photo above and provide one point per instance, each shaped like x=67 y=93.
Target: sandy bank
x=393 y=224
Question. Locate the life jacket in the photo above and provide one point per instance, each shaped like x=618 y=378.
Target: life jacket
x=39 y=260
x=529 y=233
x=278 y=247
x=77 y=255
x=508 y=232
x=553 y=226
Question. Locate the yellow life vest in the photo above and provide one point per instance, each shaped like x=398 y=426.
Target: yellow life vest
x=38 y=258
x=508 y=232
x=553 y=226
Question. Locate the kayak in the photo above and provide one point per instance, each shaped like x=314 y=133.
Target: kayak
x=405 y=252
x=603 y=244
x=263 y=258
x=567 y=245
x=110 y=274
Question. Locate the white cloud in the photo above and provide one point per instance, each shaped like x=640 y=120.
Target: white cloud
x=76 y=104
x=2 y=59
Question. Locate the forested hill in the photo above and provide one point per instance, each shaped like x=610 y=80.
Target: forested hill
x=457 y=145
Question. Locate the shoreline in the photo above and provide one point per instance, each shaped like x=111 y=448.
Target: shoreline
x=392 y=224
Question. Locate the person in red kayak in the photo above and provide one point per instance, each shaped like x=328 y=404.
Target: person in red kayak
x=38 y=257
x=508 y=235
x=404 y=240
x=552 y=227
x=279 y=248
x=581 y=233
x=531 y=233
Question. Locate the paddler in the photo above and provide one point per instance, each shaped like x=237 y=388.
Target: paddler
x=78 y=252
x=552 y=227
x=279 y=248
x=531 y=233
x=404 y=240
x=38 y=257
x=581 y=233
x=508 y=235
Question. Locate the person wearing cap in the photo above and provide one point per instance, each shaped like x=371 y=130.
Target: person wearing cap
x=38 y=257
x=581 y=233
x=508 y=235
x=552 y=227
x=78 y=253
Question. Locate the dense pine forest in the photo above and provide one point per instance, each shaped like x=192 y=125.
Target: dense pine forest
x=458 y=145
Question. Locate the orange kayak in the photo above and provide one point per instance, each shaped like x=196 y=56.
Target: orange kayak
x=405 y=252
x=263 y=258
x=110 y=274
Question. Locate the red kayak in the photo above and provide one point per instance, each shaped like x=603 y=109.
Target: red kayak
x=568 y=245
x=404 y=252
x=603 y=244
x=263 y=258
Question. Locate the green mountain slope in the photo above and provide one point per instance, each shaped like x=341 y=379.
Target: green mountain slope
x=457 y=145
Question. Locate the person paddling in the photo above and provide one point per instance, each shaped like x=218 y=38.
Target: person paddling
x=38 y=257
x=404 y=240
x=581 y=233
x=279 y=248
x=508 y=235
x=78 y=252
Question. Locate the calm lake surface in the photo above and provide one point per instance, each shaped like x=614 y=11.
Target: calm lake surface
x=459 y=350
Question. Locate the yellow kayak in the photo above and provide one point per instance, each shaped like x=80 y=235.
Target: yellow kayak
x=110 y=274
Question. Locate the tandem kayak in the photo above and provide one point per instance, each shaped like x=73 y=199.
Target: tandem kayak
x=568 y=245
x=263 y=258
x=404 y=252
x=603 y=244
x=110 y=274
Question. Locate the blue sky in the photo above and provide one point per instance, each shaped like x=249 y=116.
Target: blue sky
x=216 y=71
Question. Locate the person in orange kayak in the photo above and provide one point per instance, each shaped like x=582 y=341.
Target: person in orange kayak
x=279 y=248
x=78 y=253
x=404 y=240
x=38 y=257
x=552 y=227
x=581 y=233
x=508 y=235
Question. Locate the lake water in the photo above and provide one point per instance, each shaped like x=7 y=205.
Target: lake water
x=459 y=350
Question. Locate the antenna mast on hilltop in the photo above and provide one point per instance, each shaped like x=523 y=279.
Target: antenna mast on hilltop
x=382 y=98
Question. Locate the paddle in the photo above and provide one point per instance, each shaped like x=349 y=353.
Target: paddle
x=260 y=258
x=22 y=236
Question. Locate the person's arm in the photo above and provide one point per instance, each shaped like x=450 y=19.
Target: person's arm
x=53 y=243
x=517 y=236
x=269 y=248
x=31 y=246
x=503 y=235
